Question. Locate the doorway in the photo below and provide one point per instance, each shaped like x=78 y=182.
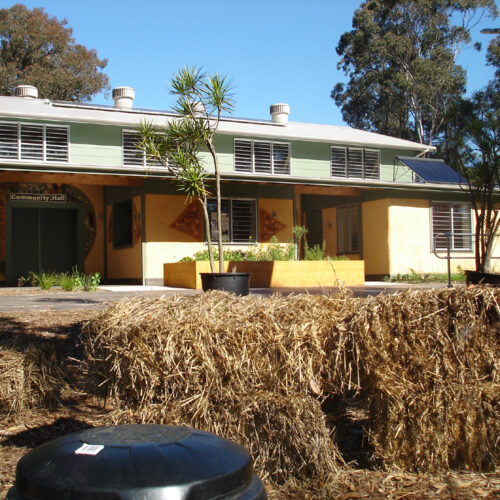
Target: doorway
x=43 y=239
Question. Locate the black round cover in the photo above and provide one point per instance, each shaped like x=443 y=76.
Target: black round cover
x=238 y=283
x=153 y=462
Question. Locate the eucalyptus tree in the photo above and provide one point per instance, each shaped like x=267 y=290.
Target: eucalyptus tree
x=400 y=59
x=201 y=99
x=39 y=50
x=473 y=149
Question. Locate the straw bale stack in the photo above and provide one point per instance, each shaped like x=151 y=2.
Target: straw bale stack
x=31 y=377
x=425 y=366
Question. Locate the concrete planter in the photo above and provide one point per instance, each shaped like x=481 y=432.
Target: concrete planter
x=276 y=274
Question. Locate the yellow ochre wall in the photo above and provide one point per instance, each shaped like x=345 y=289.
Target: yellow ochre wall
x=124 y=263
x=375 y=236
x=330 y=230
x=166 y=244
x=282 y=210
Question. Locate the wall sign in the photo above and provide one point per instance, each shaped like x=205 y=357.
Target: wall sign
x=47 y=198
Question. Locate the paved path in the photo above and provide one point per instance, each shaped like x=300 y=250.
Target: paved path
x=15 y=300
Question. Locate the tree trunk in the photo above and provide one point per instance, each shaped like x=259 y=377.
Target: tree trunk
x=209 y=236
x=218 y=201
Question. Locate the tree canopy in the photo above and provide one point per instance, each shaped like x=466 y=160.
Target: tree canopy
x=39 y=50
x=400 y=59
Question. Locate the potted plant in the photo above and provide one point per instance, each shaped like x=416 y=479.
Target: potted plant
x=201 y=99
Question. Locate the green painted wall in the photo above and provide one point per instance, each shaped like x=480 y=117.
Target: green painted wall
x=96 y=145
x=101 y=145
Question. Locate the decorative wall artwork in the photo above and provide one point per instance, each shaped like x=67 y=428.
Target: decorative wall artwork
x=269 y=225
x=190 y=221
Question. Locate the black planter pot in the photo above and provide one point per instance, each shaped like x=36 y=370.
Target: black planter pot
x=238 y=283
x=476 y=278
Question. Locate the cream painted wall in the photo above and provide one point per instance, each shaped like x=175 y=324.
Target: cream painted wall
x=124 y=263
x=410 y=241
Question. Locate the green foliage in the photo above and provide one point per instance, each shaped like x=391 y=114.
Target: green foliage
x=90 y=282
x=38 y=50
x=43 y=280
x=473 y=149
x=68 y=281
x=400 y=59
x=316 y=252
x=415 y=277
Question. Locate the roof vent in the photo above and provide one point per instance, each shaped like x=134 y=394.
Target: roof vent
x=123 y=97
x=279 y=112
x=26 y=91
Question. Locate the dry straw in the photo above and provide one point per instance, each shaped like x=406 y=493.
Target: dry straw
x=31 y=377
x=424 y=365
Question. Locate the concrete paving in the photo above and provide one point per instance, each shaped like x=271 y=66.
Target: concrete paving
x=15 y=299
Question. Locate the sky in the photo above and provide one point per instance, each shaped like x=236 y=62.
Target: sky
x=272 y=50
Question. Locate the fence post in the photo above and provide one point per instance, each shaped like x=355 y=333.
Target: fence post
x=448 y=257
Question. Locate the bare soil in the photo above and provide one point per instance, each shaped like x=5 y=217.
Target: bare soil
x=34 y=427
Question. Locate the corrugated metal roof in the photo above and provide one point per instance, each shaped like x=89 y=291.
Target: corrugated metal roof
x=432 y=170
x=43 y=109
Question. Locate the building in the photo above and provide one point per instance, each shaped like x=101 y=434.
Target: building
x=75 y=192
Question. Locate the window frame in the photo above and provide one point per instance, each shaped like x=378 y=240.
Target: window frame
x=231 y=230
x=19 y=143
x=467 y=235
x=145 y=162
x=347 y=169
x=271 y=156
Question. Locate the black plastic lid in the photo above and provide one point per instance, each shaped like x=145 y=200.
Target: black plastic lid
x=153 y=462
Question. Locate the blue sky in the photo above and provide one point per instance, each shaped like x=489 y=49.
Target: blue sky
x=273 y=50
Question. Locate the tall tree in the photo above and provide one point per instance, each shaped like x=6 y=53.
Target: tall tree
x=400 y=59
x=39 y=50
x=474 y=151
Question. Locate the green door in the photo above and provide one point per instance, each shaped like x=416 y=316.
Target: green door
x=43 y=239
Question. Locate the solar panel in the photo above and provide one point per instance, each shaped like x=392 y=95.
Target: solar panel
x=432 y=170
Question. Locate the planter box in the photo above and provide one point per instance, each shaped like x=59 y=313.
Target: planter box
x=476 y=277
x=276 y=274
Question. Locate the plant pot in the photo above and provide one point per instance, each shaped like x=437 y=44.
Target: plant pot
x=480 y=278
x=238 y=283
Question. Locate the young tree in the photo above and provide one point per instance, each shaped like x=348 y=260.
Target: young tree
x=39 y=50
x=475 y=153
x=400 y=58
x=201 y=100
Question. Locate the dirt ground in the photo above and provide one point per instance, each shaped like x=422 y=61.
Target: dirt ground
x=78 y=410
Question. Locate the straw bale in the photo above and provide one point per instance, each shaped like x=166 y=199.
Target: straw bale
x=423 y=364
x=431 y=372
x=31 y=377
x=286 y=436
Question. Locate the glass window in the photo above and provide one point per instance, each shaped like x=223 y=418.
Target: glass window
x=237 y=220
x=262 y=157
x=454 y=218
x=33 y=142
x=358 y=163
